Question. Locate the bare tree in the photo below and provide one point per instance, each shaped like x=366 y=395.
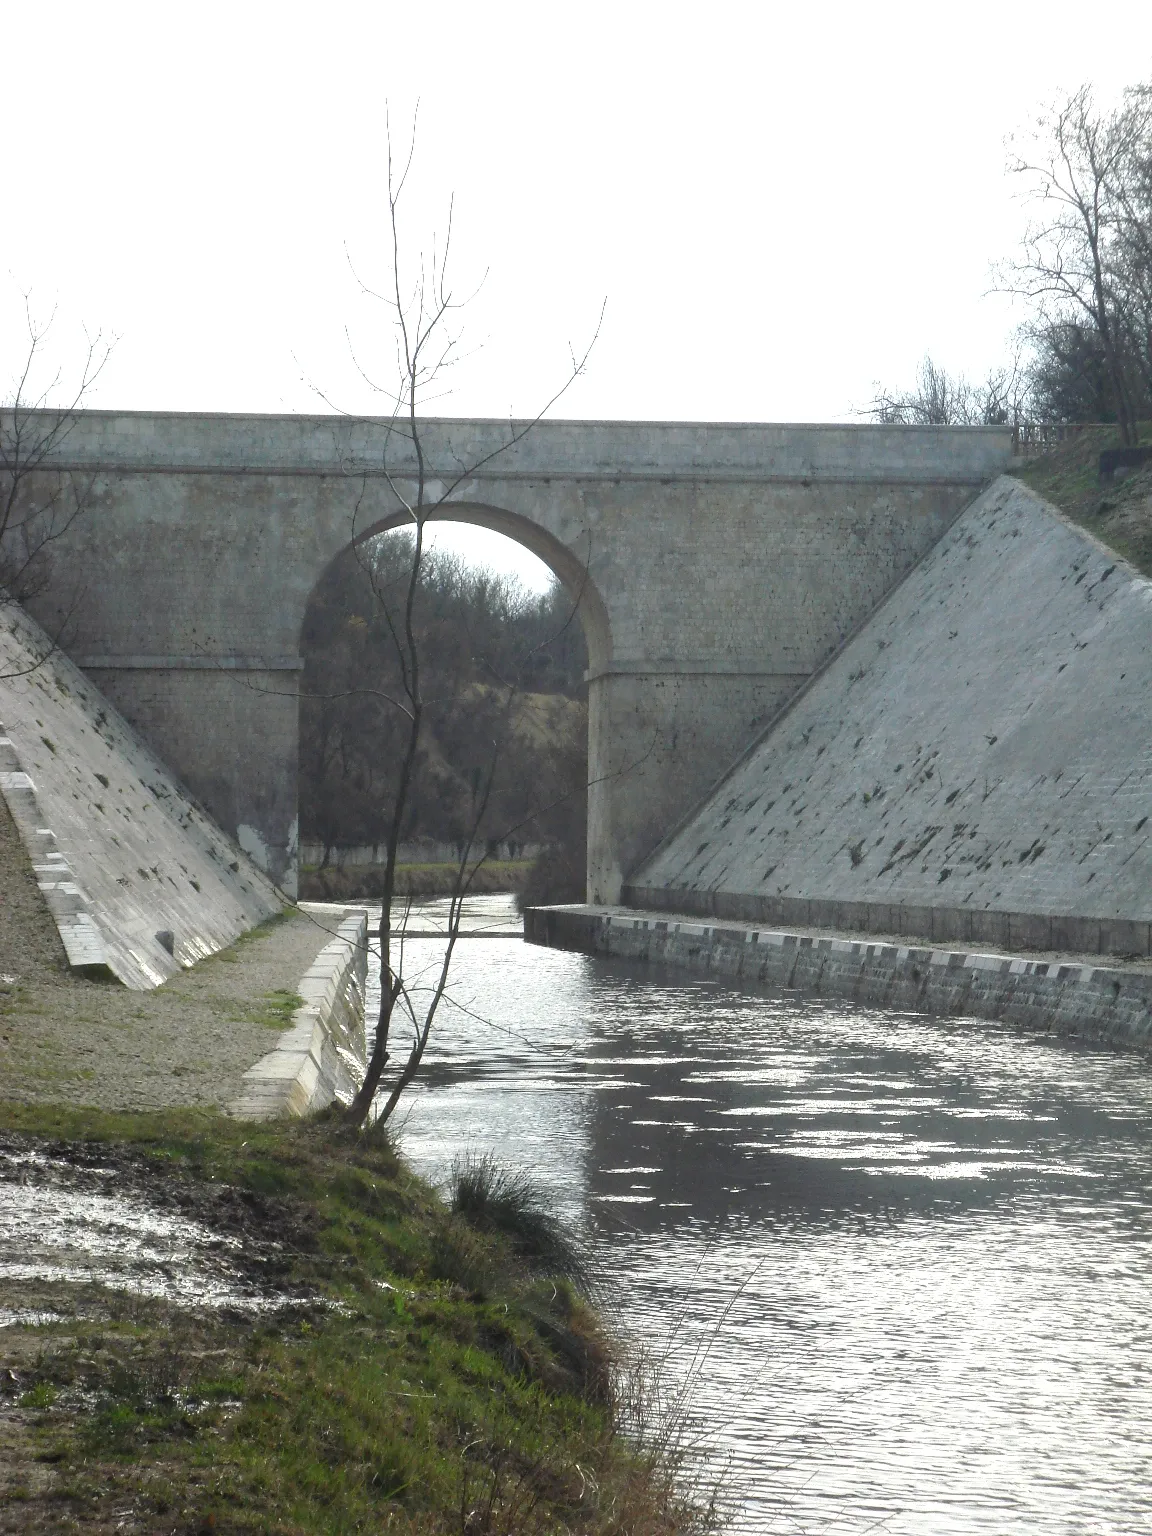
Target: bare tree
x=1133 y=254
x=38 y=503
x=422 y=308
x=1085 y=256
x=942 y=399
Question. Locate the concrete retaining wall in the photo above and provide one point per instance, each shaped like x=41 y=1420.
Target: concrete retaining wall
x=972 y=767
x=138 y=879
x=1068 y=997
x=321 y=1056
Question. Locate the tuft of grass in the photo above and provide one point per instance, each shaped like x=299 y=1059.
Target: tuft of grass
x=494 y=1199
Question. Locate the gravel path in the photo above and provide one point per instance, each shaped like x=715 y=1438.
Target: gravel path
x=64 y=1039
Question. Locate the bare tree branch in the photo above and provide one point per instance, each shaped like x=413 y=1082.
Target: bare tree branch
x=38 y=504
x=426 y=345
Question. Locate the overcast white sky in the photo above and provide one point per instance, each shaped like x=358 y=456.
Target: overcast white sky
x=782 y=204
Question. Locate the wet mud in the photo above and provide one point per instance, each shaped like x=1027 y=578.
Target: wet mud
x=75 y=1216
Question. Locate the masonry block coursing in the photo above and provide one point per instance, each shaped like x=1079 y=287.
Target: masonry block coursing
x=716 y=566
x=973 y=766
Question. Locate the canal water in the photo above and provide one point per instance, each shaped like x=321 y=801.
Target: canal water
x=904 y=1265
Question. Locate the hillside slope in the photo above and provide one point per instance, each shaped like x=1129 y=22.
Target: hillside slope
x=1119 y=513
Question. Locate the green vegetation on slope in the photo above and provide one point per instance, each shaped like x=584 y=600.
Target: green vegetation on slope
x=422 y=1375
x=1118 y=513
x=365 y=882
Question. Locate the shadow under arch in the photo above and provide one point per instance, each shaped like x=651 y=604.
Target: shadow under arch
x=567 y=565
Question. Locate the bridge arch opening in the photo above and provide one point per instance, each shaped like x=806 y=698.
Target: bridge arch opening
x=503 y=664
x=570 y=566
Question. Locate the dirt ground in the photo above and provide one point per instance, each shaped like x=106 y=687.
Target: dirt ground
x=66 y=1039
x=88 y=1320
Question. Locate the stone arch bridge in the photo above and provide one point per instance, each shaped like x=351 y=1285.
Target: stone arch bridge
x=716 y=568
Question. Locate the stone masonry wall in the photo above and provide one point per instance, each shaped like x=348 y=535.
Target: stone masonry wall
x=714 y=565
x=974 y=766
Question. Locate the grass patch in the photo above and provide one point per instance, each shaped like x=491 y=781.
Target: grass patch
x=365 y=882
x=1118 y=513
x=425 y=1375
x=13 y=998
x=277 y=1011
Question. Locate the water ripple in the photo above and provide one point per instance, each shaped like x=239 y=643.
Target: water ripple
x=902 y=1262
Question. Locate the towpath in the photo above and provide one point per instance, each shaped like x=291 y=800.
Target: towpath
x=65 y=1039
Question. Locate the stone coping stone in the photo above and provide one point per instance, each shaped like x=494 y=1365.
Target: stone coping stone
x=320 y=1057
x=1069 y=995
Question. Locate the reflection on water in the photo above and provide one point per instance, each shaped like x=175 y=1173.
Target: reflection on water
x=912 y=1253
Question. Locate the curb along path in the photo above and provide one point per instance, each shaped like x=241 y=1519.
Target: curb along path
x=321 y=1056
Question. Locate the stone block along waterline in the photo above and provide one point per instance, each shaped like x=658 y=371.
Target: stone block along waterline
x=1067 y=996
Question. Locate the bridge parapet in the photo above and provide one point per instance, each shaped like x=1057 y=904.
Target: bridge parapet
x=715 y=451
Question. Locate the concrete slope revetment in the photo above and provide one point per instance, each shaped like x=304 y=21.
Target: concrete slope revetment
x=974 y=765
x=138 y=879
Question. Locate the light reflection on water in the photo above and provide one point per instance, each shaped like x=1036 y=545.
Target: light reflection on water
x=915 y=1251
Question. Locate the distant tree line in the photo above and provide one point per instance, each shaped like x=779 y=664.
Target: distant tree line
x=503 y=679
x=1084 y=269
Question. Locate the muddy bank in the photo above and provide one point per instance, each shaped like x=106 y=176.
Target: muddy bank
x=226 y=1327
x=93 y=1233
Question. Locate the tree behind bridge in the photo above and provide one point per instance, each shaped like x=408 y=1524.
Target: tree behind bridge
x=475 y=630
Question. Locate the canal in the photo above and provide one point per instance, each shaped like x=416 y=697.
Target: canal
x=901 y=1265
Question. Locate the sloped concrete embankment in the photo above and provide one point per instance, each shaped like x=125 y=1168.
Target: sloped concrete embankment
x=139 y=880
x=972 y=768
x=321 y=1056
x=1099 y=1002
